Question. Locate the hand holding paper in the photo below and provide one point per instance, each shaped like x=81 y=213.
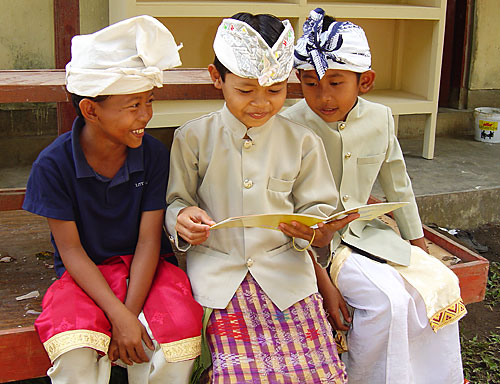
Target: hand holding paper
x=193 y=225
x=272 y=221
x=324 y=231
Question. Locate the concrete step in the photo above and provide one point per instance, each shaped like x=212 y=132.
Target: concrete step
x=460 y=187
x=450 y=122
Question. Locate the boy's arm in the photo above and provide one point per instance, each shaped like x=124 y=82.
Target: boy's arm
x=185 y=221
x=82 y=269
x=146 y=256
x=333 y=302
x=396 y=185
x=420 y=242
x=314 y=193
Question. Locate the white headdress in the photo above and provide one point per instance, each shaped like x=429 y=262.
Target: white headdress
x=243 y=51
x=124 y=58
x=342 y=46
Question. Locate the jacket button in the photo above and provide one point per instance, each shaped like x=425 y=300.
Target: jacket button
x=345 y=198
x=347 y=155
x=249 y=263
x=247 y=144
x=341 y=126
x=248 y=183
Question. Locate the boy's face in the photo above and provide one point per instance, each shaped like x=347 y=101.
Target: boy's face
x=249 y=102
x=122 y=118
x=334 y=96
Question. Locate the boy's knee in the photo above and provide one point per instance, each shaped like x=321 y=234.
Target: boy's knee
x=81 y=365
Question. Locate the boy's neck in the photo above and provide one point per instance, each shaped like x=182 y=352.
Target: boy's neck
x=104 y=156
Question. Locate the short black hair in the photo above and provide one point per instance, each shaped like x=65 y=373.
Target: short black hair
x=327 y=21
x=75 y=99
x=269 y=27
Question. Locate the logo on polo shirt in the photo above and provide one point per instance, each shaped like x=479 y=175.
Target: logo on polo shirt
x=141 y=184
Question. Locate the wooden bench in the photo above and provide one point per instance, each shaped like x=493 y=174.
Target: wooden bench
x=23 y=234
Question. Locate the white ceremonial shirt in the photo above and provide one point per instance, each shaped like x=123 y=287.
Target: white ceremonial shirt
x=360 y=150
x=280 y=168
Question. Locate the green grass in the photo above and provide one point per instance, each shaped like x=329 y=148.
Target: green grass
x=481 y=356
x=492 y=296
x=481 y=359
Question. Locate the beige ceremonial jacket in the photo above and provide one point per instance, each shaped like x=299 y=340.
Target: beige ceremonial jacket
x=360 y=150
x=280 y=168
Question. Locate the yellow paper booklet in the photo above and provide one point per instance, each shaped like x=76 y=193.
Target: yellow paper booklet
x=272 y=220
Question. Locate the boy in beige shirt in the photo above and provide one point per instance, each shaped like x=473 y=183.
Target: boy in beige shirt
x=267 y=323
x=401 y=296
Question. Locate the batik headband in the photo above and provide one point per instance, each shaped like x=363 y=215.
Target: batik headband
x=124 y=58
x=342 y=46
x=243 y=51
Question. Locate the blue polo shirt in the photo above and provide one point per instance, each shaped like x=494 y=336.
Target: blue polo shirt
x=107 y=212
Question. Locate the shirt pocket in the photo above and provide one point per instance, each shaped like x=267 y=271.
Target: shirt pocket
x=204 y=250
x=280 y=185
x=282 y=248
x=374 y=159
x=368 y=169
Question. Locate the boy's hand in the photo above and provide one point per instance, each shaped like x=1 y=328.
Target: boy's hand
x=324 y=232
x=334 y=304
x=127 y=334
x=193 y=225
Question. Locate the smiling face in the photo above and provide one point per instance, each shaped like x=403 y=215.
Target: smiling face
x=122 y=118
x=249 y=102
x=335 y=95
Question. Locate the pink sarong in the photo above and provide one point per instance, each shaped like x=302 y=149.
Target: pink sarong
x=71 y=319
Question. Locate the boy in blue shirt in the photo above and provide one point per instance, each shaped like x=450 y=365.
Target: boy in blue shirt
x=102 y=187
x=406 y=303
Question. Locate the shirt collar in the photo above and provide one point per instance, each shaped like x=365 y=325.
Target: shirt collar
x=353 y=114
x=238 y=128
x=82 y=168
x=133 y=163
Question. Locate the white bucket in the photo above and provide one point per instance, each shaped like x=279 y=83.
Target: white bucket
x=487 y=123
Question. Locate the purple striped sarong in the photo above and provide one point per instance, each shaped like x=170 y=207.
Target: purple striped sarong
x=253 y=342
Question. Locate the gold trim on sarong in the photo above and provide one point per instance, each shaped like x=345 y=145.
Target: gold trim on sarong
x=448 y=315
x=181 y=350
x=341 y=255
x=436 y=284
x=341 y=341
x=67 y=341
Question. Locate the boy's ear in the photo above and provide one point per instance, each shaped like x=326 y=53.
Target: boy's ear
x=88 y=109
x=366 y=81
x=215 y=76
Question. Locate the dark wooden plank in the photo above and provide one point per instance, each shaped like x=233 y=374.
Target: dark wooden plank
x=66 y=114
x=472 y=277
x=66 y=25
x=18 y=86
x=22 y=235
x=11 y=198
x=179 y=84
x=23 y=356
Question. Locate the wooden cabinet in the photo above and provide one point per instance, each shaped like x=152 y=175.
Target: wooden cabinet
x=406 y=38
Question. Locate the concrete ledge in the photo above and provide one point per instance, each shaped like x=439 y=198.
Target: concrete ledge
x=483 y=98
x=467 y=209
x=450 y=122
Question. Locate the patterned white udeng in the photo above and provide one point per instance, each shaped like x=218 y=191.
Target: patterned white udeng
x=243 y=51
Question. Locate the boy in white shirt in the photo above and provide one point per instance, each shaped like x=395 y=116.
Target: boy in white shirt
x=400 y=294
